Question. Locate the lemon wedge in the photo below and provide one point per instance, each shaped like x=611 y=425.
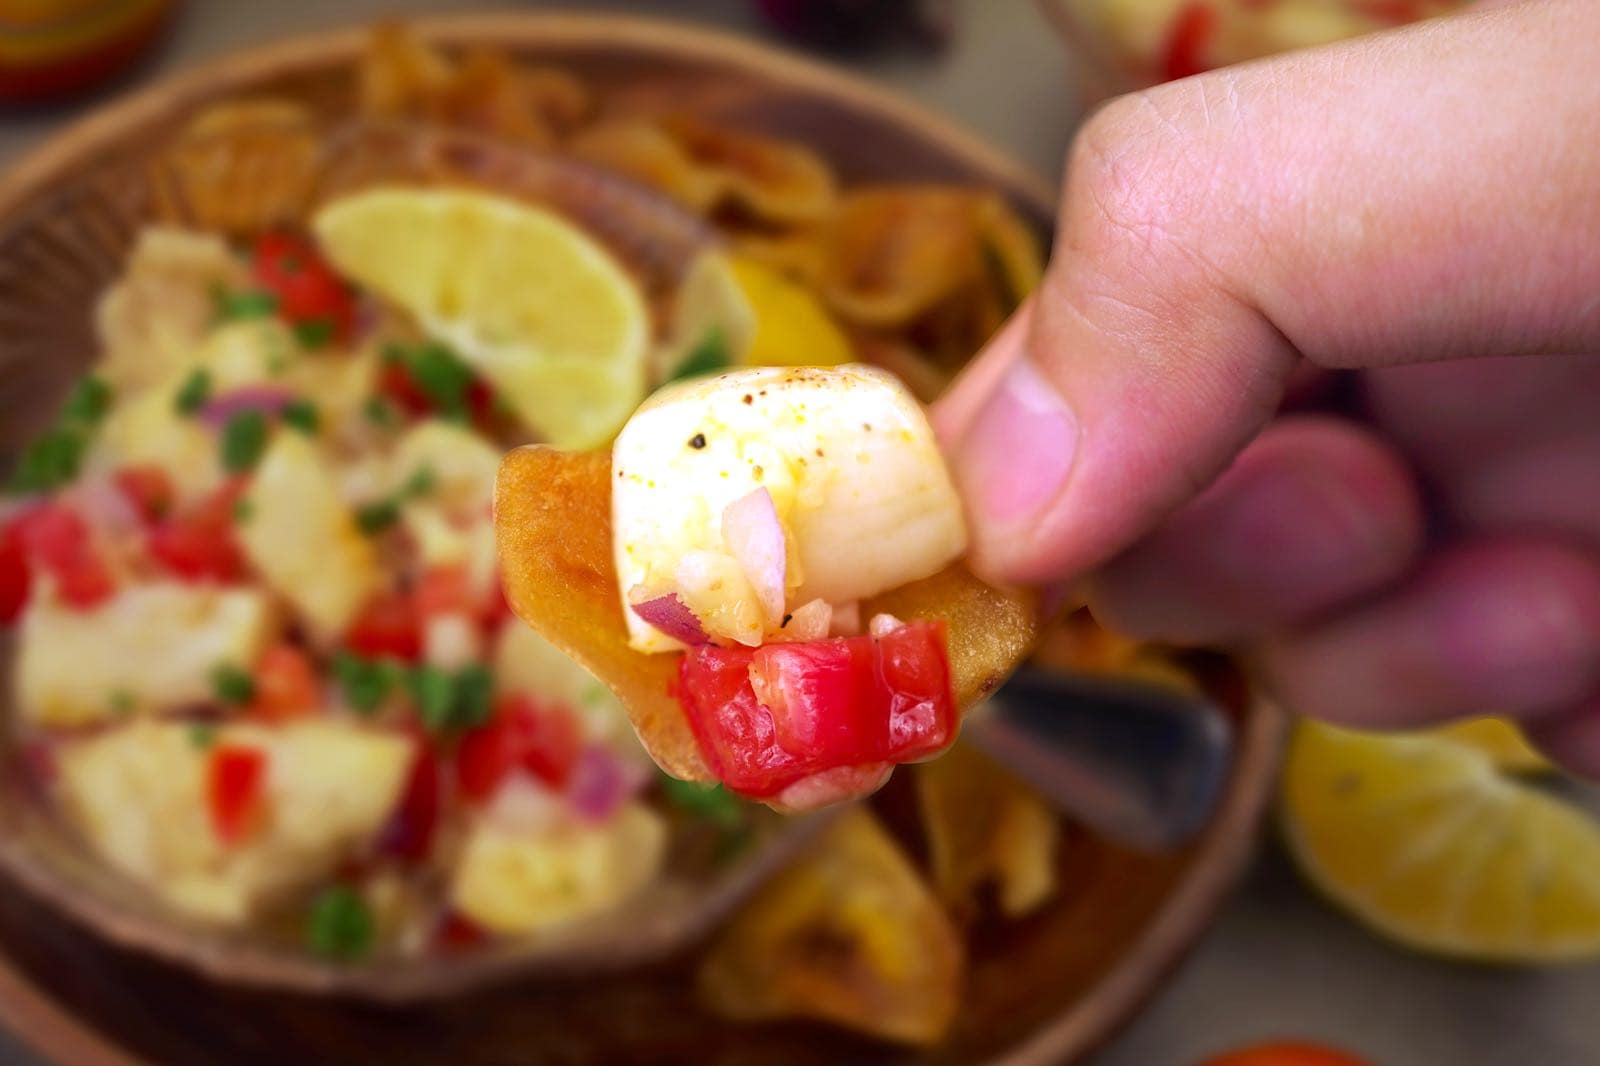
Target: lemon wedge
x=1502 y=740
x=530 y=301
x=1424 y=840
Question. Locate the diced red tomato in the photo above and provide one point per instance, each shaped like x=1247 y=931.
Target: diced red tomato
x=456 y=932
x=14 y=583
x=542 y=739
x=55 y=540
x=443 y=590
x=409 y=834
x=200 y=545
x=307 y=289
x=1192 y=30
x=388 y=626
x=286 y=684
x=1286 y=1054
x=396 y=382
x=235 y=776
x=149 y=488
x=767 y=717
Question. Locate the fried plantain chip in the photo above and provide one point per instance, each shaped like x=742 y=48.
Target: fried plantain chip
x=849 y=935
x=553 y=527
x=985 y=827
x=896 y=254
x=706 y=167
x=241 y=167
x=403 y=77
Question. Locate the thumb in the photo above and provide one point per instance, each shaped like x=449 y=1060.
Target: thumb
x=1215 y=231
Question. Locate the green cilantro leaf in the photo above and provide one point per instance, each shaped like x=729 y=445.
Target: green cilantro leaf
x=244 y=438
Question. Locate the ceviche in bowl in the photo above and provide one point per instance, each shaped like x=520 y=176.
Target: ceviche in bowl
x=278 y=706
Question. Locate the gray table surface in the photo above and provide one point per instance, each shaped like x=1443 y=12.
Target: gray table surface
x=1278 y=962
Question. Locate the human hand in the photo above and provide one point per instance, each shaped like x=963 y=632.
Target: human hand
x=1421 y=207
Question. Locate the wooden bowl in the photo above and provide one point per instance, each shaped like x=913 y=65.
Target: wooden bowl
x=1040 y=990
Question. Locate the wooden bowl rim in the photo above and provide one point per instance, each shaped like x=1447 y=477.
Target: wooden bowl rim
x=48 y=1025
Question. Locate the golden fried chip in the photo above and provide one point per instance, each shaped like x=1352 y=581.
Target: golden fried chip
x=644 y=151
x=241 y=167
x=985 y=827
x=774 y=180
x=553 y=526
x=849 y=935
x=403 y=77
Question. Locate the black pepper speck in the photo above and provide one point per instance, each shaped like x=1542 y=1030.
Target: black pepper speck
x=697 y=441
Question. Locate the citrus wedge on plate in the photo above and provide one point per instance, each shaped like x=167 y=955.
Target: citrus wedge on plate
x=533 y=303
x=1501 y=739
x=1426 y=841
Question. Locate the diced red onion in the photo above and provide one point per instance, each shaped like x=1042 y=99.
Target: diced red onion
x=810 y=621
x=268 y=399
x=671 y=616
x=601 y=783
x=846 y=619
x=883 y=624
x=754 y=536
x=839 y=785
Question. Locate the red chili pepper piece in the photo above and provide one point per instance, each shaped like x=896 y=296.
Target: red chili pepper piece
x=769 y=716
x=200 y=545
x=544 y=740
x=387 y=627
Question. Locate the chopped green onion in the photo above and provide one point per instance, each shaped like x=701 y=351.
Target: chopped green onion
x=244 y=438
x=249 y=303
x=435 y=693
x=50 y=461
x=438 y=373
x=232 y=685
x=474 y=696
x=122 y=702
x=709 y=355
x=366 y=683
x=88 y=402
x=302 y=415
x=379 y=411
x=202 y=734
x=314 y=332
x=340 y=925
x=377 y=516
x=194 y=392
x=420 y=483
x=244 y=509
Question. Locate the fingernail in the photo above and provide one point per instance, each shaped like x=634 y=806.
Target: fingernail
x=1018 y=451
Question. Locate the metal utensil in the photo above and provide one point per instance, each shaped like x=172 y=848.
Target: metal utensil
x=1142 y=764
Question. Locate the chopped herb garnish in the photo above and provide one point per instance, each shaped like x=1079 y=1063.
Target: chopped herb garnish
x=202 y=734
x=474 y=696
x=88 y=402
x=246 y=304
x=379 y=411
x=709 y=355
x=435 y=694
x=194 y=392
x=244 y=509
x=314 y=332
x=232 y=685
x=420 y=483
x=50 y=461
x=366 y=683
x=438 y=374
x=302 y=415
x=377 y=516
x=122 y=702
x=339 y=924
x=244 y=438
x=53 y=458
x=714 y=804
